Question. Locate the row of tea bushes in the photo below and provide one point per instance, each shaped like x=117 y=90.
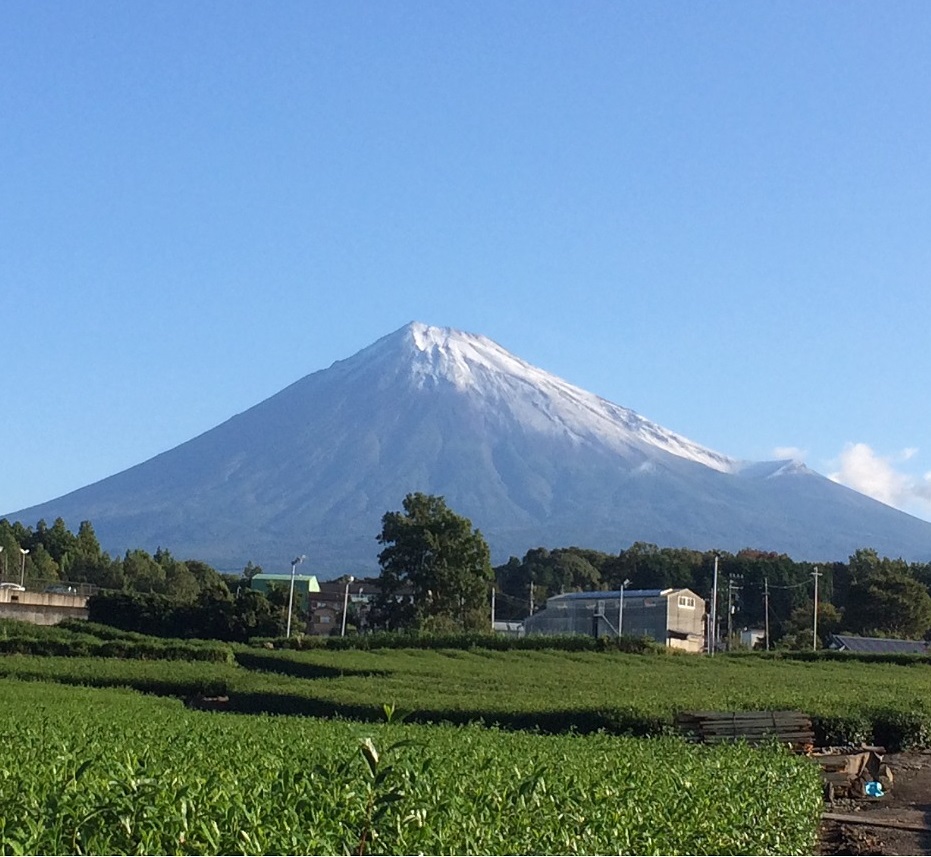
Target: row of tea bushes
x=106 y=771
x=79 y=639
x=465 y=641
x=849 y=701
x=549 y=691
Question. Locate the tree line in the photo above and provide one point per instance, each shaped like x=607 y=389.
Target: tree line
x=148 y=593
x=436 y=576
x=54 y=553
x=868 y=595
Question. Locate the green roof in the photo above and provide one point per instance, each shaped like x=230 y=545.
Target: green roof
x=309 y=579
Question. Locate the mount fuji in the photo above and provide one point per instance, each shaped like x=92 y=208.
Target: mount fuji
x=531 y=459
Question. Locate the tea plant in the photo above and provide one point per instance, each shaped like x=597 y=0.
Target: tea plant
x=551 y=691
x=109 y=771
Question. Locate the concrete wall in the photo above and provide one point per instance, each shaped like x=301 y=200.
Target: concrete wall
x=41 y=608
x=686 y=619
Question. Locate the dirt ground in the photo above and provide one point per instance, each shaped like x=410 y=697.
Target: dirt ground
x=886 y=825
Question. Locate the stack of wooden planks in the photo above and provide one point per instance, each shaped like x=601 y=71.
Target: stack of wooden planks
x=754 y=727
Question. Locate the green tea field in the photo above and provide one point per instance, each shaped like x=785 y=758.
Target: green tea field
x=418 y=750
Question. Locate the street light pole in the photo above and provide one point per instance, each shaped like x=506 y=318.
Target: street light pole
x=22 y=571
x=620 y=610
x=766 y=608
x=349 y=580
x=294 y=564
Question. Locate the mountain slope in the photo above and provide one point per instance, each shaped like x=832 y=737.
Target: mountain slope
x=531 y=459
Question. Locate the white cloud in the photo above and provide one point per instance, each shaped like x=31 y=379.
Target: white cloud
x=878 y=476
x=793 y=452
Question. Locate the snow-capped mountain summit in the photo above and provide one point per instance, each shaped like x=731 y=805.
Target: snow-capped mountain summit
x=477 y=366
x=530 y=458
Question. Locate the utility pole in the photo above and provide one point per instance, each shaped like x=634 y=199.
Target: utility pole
x=732 y=603
x=492 y=609
x=714 y=609
x=766 y=609
x=531 y=597
x=814 y=636
x=730 y=612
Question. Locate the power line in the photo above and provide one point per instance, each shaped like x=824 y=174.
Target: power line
x=521 y=601
x=790 y=586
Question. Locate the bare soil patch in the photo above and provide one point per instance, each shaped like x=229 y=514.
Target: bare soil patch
x=897 y=823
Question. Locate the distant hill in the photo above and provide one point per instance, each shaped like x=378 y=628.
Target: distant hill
x=531 y=459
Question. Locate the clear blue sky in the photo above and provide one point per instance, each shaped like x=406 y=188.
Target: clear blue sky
x=717 y=214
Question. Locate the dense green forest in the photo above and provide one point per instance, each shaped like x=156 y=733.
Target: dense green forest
x=156 y=594
x=160 y=593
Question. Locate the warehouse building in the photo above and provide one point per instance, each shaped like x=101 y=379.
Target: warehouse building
x=673 y=617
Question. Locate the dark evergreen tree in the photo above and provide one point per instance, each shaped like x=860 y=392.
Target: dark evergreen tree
x=251 y=570
x=885 y=600
x=142 y=573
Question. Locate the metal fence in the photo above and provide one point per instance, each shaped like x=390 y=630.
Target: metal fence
x=60 y=587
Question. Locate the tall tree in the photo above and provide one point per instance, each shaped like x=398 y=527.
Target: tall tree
x=435 y=568
x=888 y=601
x=142 y=572
x=548 y=573
x=87 y=563
x=40 y=566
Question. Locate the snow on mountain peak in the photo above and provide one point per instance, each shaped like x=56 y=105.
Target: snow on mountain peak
x=465 y=360
x=539 y=400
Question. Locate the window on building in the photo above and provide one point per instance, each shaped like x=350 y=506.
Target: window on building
x=687 y=601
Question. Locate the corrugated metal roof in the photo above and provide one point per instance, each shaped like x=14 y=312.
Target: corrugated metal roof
x=615 y=593
x=881 y=645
